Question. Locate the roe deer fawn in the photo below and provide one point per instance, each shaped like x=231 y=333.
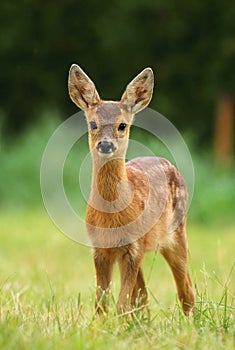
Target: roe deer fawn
x=133 y=207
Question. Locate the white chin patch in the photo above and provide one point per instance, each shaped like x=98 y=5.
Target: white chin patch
x=105 y=155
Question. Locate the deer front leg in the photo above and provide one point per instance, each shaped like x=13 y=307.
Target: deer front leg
x=129 y=265
x=104 y=262
x=139 y=295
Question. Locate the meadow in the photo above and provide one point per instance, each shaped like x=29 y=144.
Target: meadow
x=47 y=282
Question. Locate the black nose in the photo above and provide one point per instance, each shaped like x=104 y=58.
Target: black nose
x=105 y=147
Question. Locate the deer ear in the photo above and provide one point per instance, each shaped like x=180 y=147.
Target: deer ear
x=139 y=91
x=82 y=90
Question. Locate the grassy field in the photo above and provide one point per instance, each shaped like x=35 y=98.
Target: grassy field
x=47 y=282
x=47 y=289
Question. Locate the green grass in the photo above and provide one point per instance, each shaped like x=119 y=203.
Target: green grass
x=47 y=288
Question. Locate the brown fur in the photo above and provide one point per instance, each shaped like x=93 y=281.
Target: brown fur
x=133 y=207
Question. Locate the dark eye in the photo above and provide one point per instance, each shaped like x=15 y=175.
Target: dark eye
x=122 y=127
x=93 y=125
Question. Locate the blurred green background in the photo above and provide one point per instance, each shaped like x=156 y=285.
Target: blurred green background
x=189 y=45
x=45 y=277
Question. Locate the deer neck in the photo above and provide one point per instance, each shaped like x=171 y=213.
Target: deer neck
x=109 y=180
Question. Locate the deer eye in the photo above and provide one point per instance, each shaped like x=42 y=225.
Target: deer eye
x=93 y=125
x=122 y=127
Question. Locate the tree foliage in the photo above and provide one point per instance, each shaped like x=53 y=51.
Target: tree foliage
x=189 y=44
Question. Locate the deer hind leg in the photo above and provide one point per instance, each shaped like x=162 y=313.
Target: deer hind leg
x=104 y=262
x=129 y=265
x=139 y=295
x=177 y=256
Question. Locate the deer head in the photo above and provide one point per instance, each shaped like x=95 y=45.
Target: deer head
x=108 y=121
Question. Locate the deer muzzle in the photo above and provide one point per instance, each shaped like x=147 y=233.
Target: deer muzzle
x=105 y=147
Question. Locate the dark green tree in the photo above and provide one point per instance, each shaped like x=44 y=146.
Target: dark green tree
x=190 y=46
